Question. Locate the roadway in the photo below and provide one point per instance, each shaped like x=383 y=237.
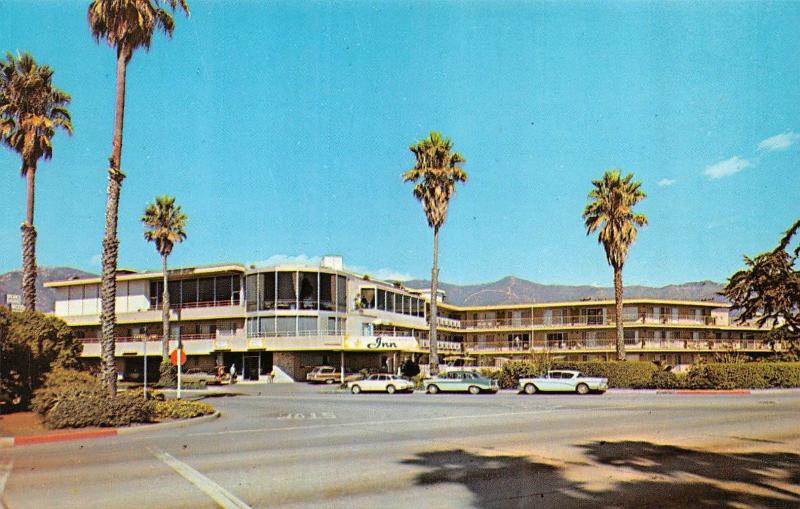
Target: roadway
x=296 y=446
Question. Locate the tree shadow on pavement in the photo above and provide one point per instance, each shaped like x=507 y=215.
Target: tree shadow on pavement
x=630 y=474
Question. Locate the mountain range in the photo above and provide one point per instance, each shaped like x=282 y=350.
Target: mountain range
x=11 y=283
x=509 y=290
x=513 y=290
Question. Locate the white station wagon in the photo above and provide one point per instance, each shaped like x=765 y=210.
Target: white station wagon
x=563 y=380
x=381 y=383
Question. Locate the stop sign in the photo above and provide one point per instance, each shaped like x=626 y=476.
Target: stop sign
x=173 y=357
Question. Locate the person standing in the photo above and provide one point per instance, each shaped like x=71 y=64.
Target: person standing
x=233 y=373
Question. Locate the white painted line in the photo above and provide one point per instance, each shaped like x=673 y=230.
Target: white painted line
x=376 y=423
x=220 y=495
x=6 y=465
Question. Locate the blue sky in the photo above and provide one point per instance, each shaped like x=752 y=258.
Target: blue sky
x=283 y=127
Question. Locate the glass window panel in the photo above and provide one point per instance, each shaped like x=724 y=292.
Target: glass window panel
x=267 y=326
x=390 y=302
x=307 y=325
x=174 y=288
x=368 y=298
x=327 y=282
x=206 y=289
x=268 y=290
x=287 y=290
x=341 y=293
x=224 y=290
x=308 y=290
x=407 y=305
x=155 y=293
x=287 y=326
x=381 y=304
x=250 y=283
x=188 y=291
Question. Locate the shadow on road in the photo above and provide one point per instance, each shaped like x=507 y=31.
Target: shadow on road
x=639 y=474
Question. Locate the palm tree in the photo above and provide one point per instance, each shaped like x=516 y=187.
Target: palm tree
x=126 y=25
x=611 y=212
x=165 y=225
x=31 y=109
x=436 y=172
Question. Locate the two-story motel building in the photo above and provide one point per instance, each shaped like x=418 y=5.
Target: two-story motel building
x=286 y=319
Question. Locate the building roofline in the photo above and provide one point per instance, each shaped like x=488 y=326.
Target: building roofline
x=587 y=303
x=133 y=276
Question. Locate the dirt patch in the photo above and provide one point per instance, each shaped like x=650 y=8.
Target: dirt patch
x=28 y=423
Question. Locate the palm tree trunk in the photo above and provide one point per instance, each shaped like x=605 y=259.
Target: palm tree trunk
x=618 y=302
x=108 y=317
x=29 y=243
x=433 y=357
x=165 y=313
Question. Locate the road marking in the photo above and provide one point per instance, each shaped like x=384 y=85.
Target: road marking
x=6 y=465
x=377 y=423
x=220 y=495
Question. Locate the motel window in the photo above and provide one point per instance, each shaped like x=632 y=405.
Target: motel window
x=594 y=316
x=368 y=298
x=630 y=337
x=327 y=283
x=287 y=290
x=251 y=292
x=287 y=326
x=189 y=291
x=267 y=296
x=341 y=293
x=266 y=326
x=308 y=290
x=407 y=305
x=307 y=325
x=382 y=299
x=390 y=302
x=206 y=289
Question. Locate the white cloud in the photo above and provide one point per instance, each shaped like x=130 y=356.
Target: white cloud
x=665 y=182
x=282 y=259
x=385 y=274
x=779 y=141
x=727 y=167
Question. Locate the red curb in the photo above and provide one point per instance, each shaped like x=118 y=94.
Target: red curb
x=59 y=437
x=701 y=392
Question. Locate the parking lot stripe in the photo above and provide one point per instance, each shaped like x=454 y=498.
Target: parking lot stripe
x=220 y=495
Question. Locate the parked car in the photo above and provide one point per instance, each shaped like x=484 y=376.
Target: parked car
x=381 y=383
x=460 y=381
x=329 y=375
x=563 y=380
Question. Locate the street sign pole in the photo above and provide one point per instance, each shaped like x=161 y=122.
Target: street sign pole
x=144 y=352
x=180 y=352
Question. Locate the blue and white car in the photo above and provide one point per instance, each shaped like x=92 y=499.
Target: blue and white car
x=563 y=380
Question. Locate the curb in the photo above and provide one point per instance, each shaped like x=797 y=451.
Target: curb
x=6 y=442
x=701 y=392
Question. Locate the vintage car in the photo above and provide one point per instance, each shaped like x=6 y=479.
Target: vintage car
x=460 y=381
x=329 y=375
x=381 y=383
x=563 y=380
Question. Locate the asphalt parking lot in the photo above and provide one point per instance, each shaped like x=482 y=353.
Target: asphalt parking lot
x=315 y=446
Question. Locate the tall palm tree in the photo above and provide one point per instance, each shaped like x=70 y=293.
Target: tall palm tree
x=31 y=109
x=165 y=225
x=611 y=212
x=436 y=172
x=126 y=25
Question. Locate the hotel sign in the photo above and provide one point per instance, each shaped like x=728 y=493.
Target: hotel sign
x=381 y=343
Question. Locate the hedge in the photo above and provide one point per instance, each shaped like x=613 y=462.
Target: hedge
x=646 y=375
x=75 y=399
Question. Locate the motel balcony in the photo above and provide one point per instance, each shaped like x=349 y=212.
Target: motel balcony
x=693 y=345
x=564 y=321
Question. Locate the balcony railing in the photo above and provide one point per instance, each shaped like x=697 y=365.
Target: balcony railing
x=646 y=345
x=201 y=304
x=578 y=321
x=443 y=346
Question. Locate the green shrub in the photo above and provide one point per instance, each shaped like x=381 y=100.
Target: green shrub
x=167 y=374
x=181 y=409
x=31 y=345
x=74 y=399
x=666 y=380
x=512 y=371
x=751 y=375
x=493 y=373
x=620 y=374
